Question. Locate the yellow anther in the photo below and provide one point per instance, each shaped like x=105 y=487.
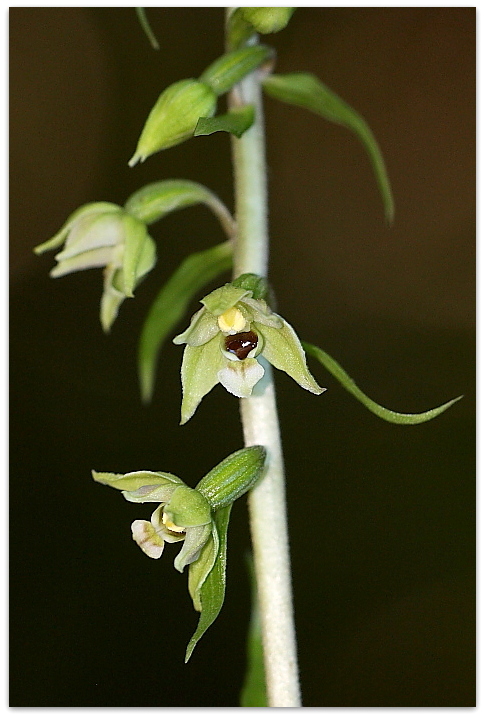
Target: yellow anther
x=171 y=526
x=232 y=321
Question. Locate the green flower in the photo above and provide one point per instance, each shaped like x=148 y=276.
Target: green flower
x=228 y=341
x=199 y=517
x=185 y=514
x=102 y=234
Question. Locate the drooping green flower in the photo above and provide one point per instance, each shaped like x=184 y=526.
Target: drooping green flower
x=199 y=517
x=227 y=340
x=185 y=514
x=102 y=234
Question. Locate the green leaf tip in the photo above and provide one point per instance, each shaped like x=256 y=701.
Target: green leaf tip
x=235 y=122
x=306 y=90
x=345 y=380
x=208 y=592
x=142 y=17
x=233 y=477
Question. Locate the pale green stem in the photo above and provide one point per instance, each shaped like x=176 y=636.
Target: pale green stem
x=267 y=503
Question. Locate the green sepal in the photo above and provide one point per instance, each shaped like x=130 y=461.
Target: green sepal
x=196 y=537
x=224 y=298
x=135 y=232
x=283 y=350
x=157 y=199
x=231 y=68
x=253 y=283
x=140 y=11
x=200 y=368
x=188 y=507
x=135 y=480
x=171 y=304
x=92 y=208
x=207 y=578
x=267 y=19
x=306 y=90
x=236 y=122
x=202 y=328
x=233 y=477
x=174 y=116
x=392 y=416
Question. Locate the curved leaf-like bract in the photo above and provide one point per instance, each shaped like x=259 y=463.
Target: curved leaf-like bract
x=306 y=90
x=236 y=122
x=171 y=303
x=387 y=414
x=208 y=593
x=142 y=17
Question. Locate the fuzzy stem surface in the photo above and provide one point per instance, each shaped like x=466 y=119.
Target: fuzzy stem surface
x=267 y=502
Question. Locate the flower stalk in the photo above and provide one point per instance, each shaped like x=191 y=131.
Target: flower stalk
x=267 y=504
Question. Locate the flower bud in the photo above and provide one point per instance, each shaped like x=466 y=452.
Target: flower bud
x=233 y=477
x=231 y=68
x=174 y=117
x=267 y=19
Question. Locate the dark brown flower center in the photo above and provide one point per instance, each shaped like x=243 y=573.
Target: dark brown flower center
x=241 y=344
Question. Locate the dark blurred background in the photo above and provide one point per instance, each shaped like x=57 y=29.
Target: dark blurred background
x=381 y=516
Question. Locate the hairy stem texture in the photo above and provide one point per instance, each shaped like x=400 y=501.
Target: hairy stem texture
x=267 y=504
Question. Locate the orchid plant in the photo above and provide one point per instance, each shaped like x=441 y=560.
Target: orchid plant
x=234 y=339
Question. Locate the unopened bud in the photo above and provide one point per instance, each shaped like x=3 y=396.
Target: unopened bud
x=267 y=19
x=174 y=117
x=233 y=477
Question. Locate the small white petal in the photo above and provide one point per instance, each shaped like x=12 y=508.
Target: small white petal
x=240 y=377
x=147 y=538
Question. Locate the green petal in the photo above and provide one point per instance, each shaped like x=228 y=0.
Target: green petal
x=135 y=235
x=233 y=477
x=283 y=350
x=87 y=260
x=171 y=304
x=207 y=578
x=393 y=416
x=135 y=480
x=188 y=507
x=224 y=298
x=200 y=367
x=261 y=313
x=200 y=569
x=306 y=90
x=203 y=327
x=147 y=259
x=86 y=209
x=236 y=122
x=93 y=232
x=196 y=538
